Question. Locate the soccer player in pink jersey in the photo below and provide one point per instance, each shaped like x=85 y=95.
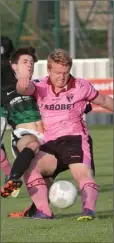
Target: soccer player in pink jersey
x=62 y=100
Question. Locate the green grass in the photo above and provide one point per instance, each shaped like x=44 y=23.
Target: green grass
x=65 y=228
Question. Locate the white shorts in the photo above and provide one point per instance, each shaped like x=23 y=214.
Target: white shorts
x=19 y=133
x=3 y=122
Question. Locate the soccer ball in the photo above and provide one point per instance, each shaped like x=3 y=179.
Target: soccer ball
x=63 y=194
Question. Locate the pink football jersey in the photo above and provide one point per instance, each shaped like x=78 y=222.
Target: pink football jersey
x=62 y=113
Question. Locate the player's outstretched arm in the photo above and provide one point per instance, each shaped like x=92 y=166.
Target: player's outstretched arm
x=104 y=101
x=25 y=87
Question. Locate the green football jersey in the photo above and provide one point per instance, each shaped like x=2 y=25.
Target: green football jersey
x=23 y=109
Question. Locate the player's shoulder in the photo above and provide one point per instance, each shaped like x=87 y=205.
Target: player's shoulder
x=40 y=82
x=81 y=83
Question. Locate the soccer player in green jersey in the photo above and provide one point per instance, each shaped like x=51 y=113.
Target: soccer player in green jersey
x=23 y=116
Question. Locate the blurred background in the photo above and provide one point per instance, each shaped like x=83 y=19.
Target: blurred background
x=84 y=28
x=49 y=24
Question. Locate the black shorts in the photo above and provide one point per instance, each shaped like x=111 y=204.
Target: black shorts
x=67 y=150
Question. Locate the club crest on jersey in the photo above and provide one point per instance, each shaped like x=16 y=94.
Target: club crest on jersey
x=69 y=97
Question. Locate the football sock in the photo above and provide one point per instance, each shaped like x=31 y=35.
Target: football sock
x=5 y=165
x=89 y=193
x=22 y=163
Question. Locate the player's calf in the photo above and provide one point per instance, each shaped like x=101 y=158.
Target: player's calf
x=88 y=188
x=38 y=191
x=26 y=152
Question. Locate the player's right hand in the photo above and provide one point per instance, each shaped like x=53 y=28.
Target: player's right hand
x=25 y=87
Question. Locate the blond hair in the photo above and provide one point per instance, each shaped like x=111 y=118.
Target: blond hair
x=59 y=56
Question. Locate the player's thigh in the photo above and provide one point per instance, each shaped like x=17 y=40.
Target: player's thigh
x=47 y=163
x=27 y=141
x=76 y=154
x=44 y=163
x=80 y=171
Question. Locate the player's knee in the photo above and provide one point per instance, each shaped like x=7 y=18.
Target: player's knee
x=28 y=141
x=85 y=173
x=34 y=145
x=80 y=172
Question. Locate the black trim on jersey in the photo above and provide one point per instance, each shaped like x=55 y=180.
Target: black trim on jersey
x=36 y=80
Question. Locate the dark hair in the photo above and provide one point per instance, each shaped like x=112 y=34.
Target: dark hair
x=7 y=45
x=23 y=51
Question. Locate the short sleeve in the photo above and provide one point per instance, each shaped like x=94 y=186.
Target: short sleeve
x=40 y=87
x=87 y=91
x=35 y=94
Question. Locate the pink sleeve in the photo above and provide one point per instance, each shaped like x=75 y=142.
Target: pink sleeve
x=39 y=87
x=87 y=90
x=36 y=89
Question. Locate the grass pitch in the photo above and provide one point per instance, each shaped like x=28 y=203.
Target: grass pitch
x=65 y=228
